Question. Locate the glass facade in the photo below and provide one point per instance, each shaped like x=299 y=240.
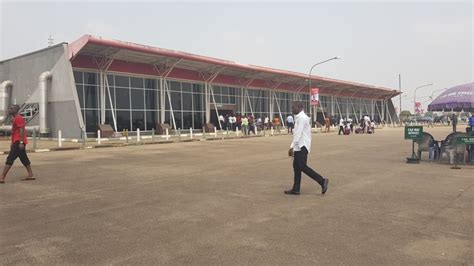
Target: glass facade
x=136 y=102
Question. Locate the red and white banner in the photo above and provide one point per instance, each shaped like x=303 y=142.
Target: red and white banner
x=314 y=93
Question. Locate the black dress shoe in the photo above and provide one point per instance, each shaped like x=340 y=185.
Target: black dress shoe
x=325 y=186
x=292 y=192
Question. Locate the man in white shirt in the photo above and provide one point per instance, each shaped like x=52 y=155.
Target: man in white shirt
x=341 y=126
x=290 y=123
x=299 y=149
x=222 y=121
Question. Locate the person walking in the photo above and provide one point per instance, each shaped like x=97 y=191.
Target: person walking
x=291 y=124
x=251 y=124
x=351 y=125
x=454 y=121
x=341 y=126
x=18 y=147
x=245 y=125
x=327 y=122
x=299 y=150
x=266 y=123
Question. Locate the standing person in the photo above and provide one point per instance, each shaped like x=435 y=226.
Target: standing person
x=291 y=124
x=238 y=122
x=327 y=122
x=276 y=123
x=251 y=124
x=299 y=149
x=221 y=121
x=245 y=125
x=232 y=122
x=349 y=121
x=454 y=121
x=266 y=123
x=341 y=126
x=18 y=147
x=372 y=126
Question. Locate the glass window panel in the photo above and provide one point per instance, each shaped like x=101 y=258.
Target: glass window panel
x=187 y=120
x=122 y=98
x=138 y=99
x=167 y=118
x=122 y=81
x=150 y=100
x=138 y=120
x=186 y=87
x=91 y=94
x=197 y=102
x=216 y=89
x=225 y=91
x=109 y=118
x=198 y=120
x=123 y=120
x=136 y=82
x=150 y=84
x=176 y=100
x=187 y=101
x=110 y=79
x=217 y=97
x=178 y=118
x=78 y=77
x=175 y=86
x=80 y=95
x=92 y=120
x=151 y=119
x=198 y=88
x=90 y=78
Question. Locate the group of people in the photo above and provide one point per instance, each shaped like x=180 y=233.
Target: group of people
x=249 y=124
x=346 y=126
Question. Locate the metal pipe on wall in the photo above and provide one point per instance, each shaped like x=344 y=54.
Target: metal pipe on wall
x=5 y=99
x=43 y=102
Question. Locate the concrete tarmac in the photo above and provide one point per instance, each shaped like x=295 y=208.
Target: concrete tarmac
x=222 y=203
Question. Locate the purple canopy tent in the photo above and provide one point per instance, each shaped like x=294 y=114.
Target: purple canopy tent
x=459 y=98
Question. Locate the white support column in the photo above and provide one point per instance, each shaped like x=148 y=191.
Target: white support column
x=332 y=106
x=112 y=109
x=250 y=103
x=162 y=101
x=60 y=138
x=215 y=105
x=372 y=109
x=242 y=100
x=169 y=101
x=102 y=97
x=279 y=111
x=207 y=102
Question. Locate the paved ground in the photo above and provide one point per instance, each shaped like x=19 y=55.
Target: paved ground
x=222 y=202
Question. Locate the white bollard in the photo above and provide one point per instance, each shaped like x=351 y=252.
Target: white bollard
x=215 y=132
x=98 y=137
x=271 y=131
x=237 y=132
x=60 y=138
x=138 y=135
x=191 y=133
x=167 y=134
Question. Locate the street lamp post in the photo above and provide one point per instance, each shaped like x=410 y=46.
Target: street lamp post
x=311 y=70
x=414 y=95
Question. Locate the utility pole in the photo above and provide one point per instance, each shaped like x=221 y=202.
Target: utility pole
x=400 y=89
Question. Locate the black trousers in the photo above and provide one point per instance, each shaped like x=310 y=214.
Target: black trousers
x=300 y=165
x=16 y=152
x=341 y=129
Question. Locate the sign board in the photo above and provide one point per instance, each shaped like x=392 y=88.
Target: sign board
x=465 y=140
x=314 y=93
x=413 y=132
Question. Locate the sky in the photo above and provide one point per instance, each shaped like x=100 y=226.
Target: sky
x=426 y=42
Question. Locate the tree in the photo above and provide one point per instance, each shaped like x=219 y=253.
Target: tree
x=429 y=114
x=405 y=113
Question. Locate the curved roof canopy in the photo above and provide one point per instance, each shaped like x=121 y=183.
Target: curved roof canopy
x=118 y=56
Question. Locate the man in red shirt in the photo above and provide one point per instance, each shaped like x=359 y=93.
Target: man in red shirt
x=19 y=142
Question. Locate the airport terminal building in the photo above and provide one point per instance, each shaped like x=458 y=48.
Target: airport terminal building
x=77 y=86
